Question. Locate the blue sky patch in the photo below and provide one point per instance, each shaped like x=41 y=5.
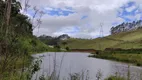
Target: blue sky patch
x=131 y=3
x=53 y=11
x=59 y=12
x=133 y=11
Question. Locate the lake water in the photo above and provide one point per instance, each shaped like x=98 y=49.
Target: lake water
x=67 y=63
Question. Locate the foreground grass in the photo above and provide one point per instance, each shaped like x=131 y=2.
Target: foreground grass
x=134 y=58
x=29 y=45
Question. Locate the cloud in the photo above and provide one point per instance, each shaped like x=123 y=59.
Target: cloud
x=130 y=9
x=82 y=18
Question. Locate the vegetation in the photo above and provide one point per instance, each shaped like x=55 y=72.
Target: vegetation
x=115 y=78
x=53 y=41
x=17 y=42
x=134 y=58
x=124 y=40
x=58 y=43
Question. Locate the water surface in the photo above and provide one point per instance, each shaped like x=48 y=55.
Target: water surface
x=76 y=62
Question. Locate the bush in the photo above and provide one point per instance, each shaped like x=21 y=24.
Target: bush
x=67 y=48
x=115 y=78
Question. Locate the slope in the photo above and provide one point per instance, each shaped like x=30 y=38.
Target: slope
x=132 y=39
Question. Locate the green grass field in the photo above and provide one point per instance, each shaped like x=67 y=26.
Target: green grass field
x=133 y=58
x=125 y=40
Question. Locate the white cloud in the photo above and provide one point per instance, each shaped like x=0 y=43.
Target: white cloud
x=98 y=11
x=134 y=17
x=130 y=9
x=48 y=8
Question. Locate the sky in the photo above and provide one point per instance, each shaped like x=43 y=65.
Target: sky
x=83 y=18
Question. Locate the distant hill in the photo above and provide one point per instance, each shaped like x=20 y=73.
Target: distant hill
x=126 y=40
x=63 y=37
x=49 y=40
x=124 y=27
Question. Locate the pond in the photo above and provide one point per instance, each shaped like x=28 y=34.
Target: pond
x=67 y=63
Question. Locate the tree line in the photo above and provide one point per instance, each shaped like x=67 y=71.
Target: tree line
x=124 y=27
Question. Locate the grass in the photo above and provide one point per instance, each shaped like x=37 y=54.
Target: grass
x=134 y=58
x=33 y=45
x=111 y=41
x=28 y=45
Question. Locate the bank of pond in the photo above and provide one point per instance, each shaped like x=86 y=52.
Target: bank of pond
x=133 y=56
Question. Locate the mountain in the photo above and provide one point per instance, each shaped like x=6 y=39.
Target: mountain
x=49 y=40
x=125 y=40
x=124 y=27
x=63 y=37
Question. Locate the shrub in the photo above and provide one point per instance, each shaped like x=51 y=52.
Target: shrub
x=115 y=78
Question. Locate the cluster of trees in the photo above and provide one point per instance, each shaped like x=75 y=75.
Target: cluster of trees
x=13 y=26
x=126 y=27
x=18 y=23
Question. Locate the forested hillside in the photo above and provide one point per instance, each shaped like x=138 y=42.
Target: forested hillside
x=19 y=28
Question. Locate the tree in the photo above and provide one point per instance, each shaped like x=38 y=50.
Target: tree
x=64 y=43
x=13 y=25
x=67 y=48
x=57 y=47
